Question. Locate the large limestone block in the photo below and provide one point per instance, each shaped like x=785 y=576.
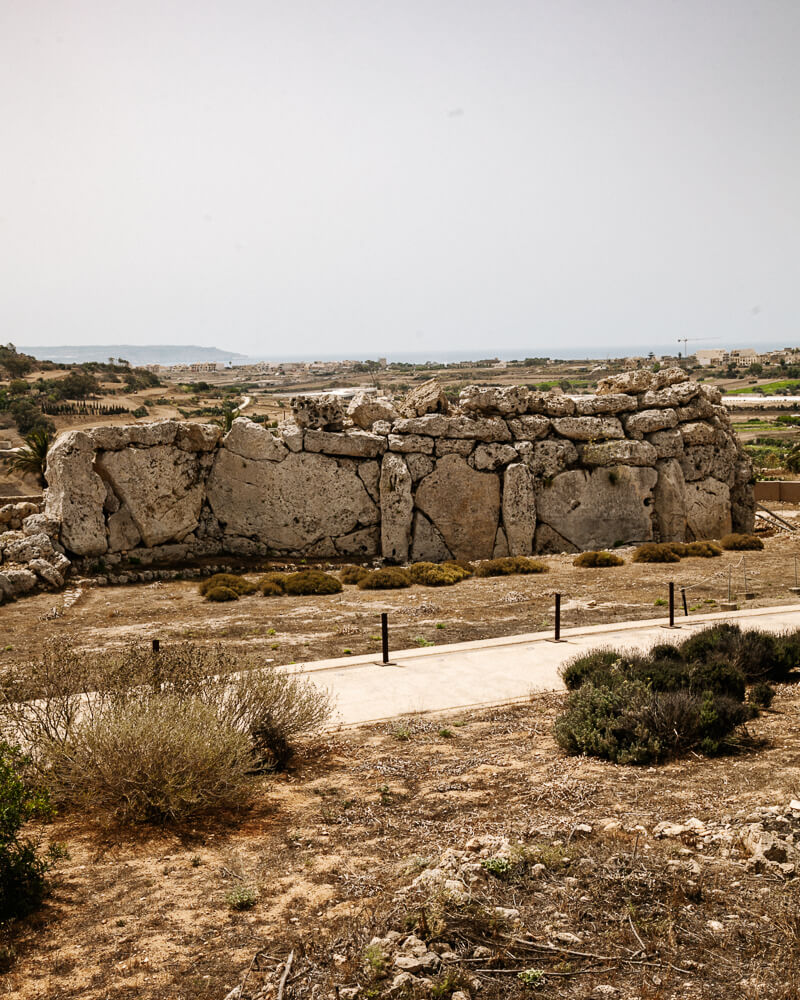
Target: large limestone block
x=122 y=531
x=15 y=582
x=454 y=446
x=426 y=398
x=115 y=437
x=427 y=544
x=365 y=410
x=698 y=432
x=370 y=474
x=546 y=459
x=250 y=440
x=506 y=400
x=480 y=429
x=668 y=377
x=76 y=494
x=552 y=404
x=647 y=421
x=464 y=505
x=356 y=444
x=668 y=444
x=289 y=505
x=588 y=428
x=162 y=487
x=697 y=462
x=488 y=457
x=711 y=393
x=615 y=402
x=20 y=548
x=618 y=453
x=291 y=435
x=322 y=412
x=723 y=466
x=519 y=509
x=364 y=542
x=657 y=398
x=432 y=424
x=530 y=427
x=698 y=409
x=198 y=437
x=637 y=381
x=670 y=502
x=598 y=509
x=500 y=550
x=419 y=466
x=397 y=506
x=406 y=443
x=708 y=509
x=743 y=507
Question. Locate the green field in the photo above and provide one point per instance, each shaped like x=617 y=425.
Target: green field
x=768 y=388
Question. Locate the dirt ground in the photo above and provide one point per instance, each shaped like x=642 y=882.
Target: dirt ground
x=300 y=629
x=331 y=846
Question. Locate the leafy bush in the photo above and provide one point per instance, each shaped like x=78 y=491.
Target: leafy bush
x=703 y=550
x=352 y=574
x=587 y=667
x=656 y=552
x=221 y=594
x=598 y=560
x=510 y=565
x=238 y=584
x=272 y=584
x=22 y=868
x=430 y=574
x=762 y=695
x=388 y=578
x=722 y=640
x=161 y=736
x=311 y=581
x=464 y=566
x=741 y=543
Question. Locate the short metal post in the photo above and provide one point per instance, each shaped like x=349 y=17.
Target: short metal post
x=685 y=608
x=796 y=588
x=385 y=636
x=671 y=604
x=558 y=618
x=156 y=646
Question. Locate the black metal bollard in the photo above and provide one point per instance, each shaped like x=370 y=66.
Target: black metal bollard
x=385 y=636
x=685 y=608
x=671 y=604
x=558 y=618
x=156 y=646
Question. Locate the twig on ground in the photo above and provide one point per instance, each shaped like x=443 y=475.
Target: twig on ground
x=286 y=970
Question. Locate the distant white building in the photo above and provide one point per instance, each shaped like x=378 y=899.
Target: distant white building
x=712 y=357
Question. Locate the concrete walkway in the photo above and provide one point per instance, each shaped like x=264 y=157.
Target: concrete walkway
x=496 y=671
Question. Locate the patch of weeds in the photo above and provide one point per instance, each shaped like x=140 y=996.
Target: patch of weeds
x=660 y=602
x=499 y=867
x=347 y=652
x=402 y=733
x=441 y=625
x=242 y=897
x=196 y=861
x=421 y=641
x=459 y=723
x=386 y=795
x=375 y=961
x=532 y=979
x=271 y=631
x=58 y=851
x=446 y=734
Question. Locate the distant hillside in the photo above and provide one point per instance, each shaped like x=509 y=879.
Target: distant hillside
x=147 y=354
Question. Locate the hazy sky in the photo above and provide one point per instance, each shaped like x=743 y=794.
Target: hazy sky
x=357 y=176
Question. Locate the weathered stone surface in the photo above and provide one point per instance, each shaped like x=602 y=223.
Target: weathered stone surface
x=708 y=509
x=382 y=427
x=289 y=505
x=530 y=427
x=47 y=573
x=547 y=540
x=364 y=410
x=162 y=487
x=723 y=465
x=410 y=443
x=635 y=382
x=697 y=432
x=324 y=412
x=464 y=505
x=500 y=550
x=427 y=543
x=397 y=507
x=505 y=401
x=76 y=494
x=122 y=531
x=647 y=421
x=599 y=509
x=588 y=428
x=364 y=542
x=547 y=458
x=16 y=582
x=370 y=474
x=743 y=506
x=355 y=444
x=432 y=424
x=488 y=457
x=657 y=399
x=696 y=462
x=454 y=446
x=614 y=402
x=552 y=404
x=485 y=429
x=668 y=444
x=419 y=466
x=291 y=435
x=699 y=409
x=37 y=524
x=426 y=398
x=24 y=548
x=197 y=437
x=668 y=377
x=519 y=509
x=669 y=505
x=618 y=453
x=711 y=393
x=251 y=440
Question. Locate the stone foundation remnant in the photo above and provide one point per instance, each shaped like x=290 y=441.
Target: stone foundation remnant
x=652 y=456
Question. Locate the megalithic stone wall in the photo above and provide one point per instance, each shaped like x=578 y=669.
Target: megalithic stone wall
x=507 y=471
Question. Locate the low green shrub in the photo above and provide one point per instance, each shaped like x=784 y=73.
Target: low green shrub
x=388 y=578
x=762 y=695
x=722 y=640
x=352 y=574
x=312 y=581
x=741 y=543
x=702 y=550
x=509 y=566
x=429 y=574
x=220 y=594
x=22 y=867
x=656 y=552
x=269 y=588
x=598 y=560
x=238 y=584
x=587 y=667
x=464 y=566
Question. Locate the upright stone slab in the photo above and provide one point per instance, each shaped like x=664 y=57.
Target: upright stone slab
x=519 y=509
x=463 y=505
x=76 y=494
x=397 y=507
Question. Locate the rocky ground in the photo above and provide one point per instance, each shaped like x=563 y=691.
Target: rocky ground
x=431 y=857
